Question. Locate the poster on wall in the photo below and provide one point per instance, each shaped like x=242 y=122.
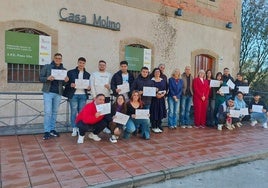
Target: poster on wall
x=24 y=48
x=137 y=58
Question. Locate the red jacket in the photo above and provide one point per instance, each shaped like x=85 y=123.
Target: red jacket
x=87 y=114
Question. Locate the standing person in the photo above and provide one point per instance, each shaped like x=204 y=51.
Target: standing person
x=200 y=99
x=143 y=80
x=123 y=76
x=239 y=82
x=52 y=91
x=219 y=96
x=76 y=96
x=162 y=67
x=225 y=77
x=174 y=96
x=133 y=104
x=158 y=107
x=211 y=101
x=91 y=120
x=186 y=98
x=258 y=115
x=100 y=81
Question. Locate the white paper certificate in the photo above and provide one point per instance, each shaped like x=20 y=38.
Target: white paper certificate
x=231 y=84
x=235 y=113
x=142 y=113
x=243 y=89
x=104 y=108
x=244 y=111
x=124 y=88
x=120 y=118
x=224 y=89
x=149 y=91
x=59 y=74
x=257 y=108
x=215 y=83
x=81 y=83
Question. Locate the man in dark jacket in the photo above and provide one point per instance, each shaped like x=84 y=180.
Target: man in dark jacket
x=76 y=94
x=123 y=76
x=52 y=91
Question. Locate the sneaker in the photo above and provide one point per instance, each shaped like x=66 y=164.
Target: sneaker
x=220 y=127
x=171 y=127
x=75 y=131
x=264 y=125
x=233 y=127
x=202 y=126
x=159 y=130
x=253 y=123
x=238 y=124
x=155 y=130
x=175 y=126
x=80 y=139
x=54 y=133
x=106 y=130
x=113 y=139
x=189 y=126
x=94 y=137
x=46 y=136
x=229 y=126
x=183 y=126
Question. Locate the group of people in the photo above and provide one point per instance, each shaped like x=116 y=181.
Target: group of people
x=211 y=106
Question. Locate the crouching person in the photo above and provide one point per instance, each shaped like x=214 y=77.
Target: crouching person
x=258 y=110
x=224 y=116
x=91 y=120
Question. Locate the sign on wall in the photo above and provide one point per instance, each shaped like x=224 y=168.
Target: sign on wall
x=24 y=48
x=138 y=57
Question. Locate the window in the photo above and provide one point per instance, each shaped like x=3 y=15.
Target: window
x=24 y=73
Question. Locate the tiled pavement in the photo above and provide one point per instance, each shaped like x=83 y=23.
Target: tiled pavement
x=29 y=161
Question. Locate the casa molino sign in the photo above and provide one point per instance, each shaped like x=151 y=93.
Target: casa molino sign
x=97 y=21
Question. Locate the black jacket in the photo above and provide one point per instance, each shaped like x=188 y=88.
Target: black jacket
x=118 y=80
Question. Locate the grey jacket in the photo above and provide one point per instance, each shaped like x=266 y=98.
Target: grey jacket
x=184 y=87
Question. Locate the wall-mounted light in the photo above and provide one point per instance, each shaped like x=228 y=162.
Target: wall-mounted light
x=178 y=12
x=229 y=25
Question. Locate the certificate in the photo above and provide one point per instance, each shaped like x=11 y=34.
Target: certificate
x=149 y=91
x=235 y=113
x=59 y=74
x=231 y=84
x=244 y=111
x=104 y=108
x=142 y=113
x=81 y=83
x=124 y=88
x=101 y=81
x=120 y=118
x=243 y=89
x=224 y=89
x=257 y=108
x=215 y=83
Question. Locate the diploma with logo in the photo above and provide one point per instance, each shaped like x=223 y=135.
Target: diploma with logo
x=120 y=118
x=124 y=88
x=149 y=91
x=59 y=74
x=215 y=83
x=142 y=113
x=81 y=83
x=243 y=89
x=257 y=108
x=224 y=89
x=104 y=108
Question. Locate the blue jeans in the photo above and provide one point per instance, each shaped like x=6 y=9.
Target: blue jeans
x=186 y=102
x=260 y=117
x=129 y=128
x=51 y=106
x=173 y=111
x=76 y=104
x=143 y=124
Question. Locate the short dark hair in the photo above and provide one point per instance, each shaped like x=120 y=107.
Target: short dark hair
x=102 y=61
x=57 y=54
x=82 y=59
x=123 y=63
x=144 y=68
x=226 y=68
x=99 y=95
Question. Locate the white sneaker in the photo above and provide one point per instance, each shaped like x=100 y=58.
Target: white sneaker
x=264 y=125
x=75 y=131
x=113 y=139
x=220 y=127
x=94 y=137
x=159 y=130
x=155 y=130
x=253 y=123
x=80 y=139
x=106 y=130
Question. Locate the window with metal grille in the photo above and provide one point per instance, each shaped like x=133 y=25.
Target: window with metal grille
x=24 y=73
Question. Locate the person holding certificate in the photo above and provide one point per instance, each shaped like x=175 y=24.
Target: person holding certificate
x=76 y=94
x=239 y=82
x=258 y=110
x=158 y=108
x=211 y=101
x=89 y=119
x=52 y=91
x=133 y=105
x=219 y=96
x=200 y=99
x=122 y=81
x=240 y=104
x=226 y=77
